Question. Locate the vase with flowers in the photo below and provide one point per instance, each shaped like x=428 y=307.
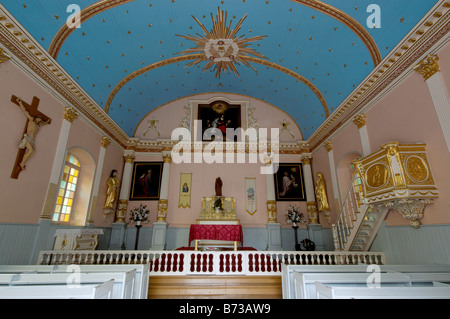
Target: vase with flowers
x=139 y=215
x=294 y=216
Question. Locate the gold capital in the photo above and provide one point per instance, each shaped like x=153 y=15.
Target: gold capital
x=3 y=56
x=70 y=114
x=306 y=160
x=428 y=66
x=359 y=120
x=129 y=158
x=167 y=158
x=328 y=145
x=105 y=141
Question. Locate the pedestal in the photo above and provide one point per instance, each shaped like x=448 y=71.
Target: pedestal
x=274 y=236
x=159 y=236
x=117 y=241
x=315 y=234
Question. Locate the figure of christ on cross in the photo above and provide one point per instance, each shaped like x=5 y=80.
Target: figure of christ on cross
x=35 y=120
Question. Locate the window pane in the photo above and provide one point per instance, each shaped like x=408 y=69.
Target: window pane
x=66 y=217
x=72 y=170
x=59 y=201
x=63 y=184
x=73 y=187
x=58 y=208
x=55 y=217
x=61 y=192
x=75 y=180
x=65 y=201
x=70 y=179
x=76 y=173
x=64 y=209
x=68 y=210
x=69 y=201
x=66 y=169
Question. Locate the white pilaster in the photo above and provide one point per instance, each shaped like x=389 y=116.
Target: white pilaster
x=441 y=104
x=309 y=189
x=125 y=188
x=58 y=162
x=360 y=121
x=329 y=146
x=429 y=68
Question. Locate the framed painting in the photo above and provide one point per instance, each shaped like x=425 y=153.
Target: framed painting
x=146 y=181
x=289 y=184
x=217 y=117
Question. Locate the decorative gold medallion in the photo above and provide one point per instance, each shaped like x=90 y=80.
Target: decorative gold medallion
x=220 y=46
x=417 y=170
x=377 y=175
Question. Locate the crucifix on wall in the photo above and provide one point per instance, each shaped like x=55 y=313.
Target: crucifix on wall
x=35 y=120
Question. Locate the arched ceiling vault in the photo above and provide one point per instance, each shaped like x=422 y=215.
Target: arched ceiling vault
x=302 y=56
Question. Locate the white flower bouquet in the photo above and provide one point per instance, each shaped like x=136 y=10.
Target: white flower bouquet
x=139 y=214
x=294 y=216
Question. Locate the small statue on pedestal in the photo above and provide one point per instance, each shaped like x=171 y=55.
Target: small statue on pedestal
x=218 y=186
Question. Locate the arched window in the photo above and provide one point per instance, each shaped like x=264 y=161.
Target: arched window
x=67 y=190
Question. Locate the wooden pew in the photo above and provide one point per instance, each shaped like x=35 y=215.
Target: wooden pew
x=438 y=291
x=123 y=286
x=100 y=291
x=305 y=283
x=141 y=281
x=287 y=272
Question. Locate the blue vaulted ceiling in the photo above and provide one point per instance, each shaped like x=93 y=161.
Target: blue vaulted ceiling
x=125 y=36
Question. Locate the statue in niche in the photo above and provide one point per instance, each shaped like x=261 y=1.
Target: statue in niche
x=321 y=194
x=218 y=186
x=112 y=190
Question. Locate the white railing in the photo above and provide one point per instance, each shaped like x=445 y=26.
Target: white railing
x=347 y=219
x=167 y=262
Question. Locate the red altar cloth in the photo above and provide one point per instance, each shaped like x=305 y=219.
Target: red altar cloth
x=216 y=232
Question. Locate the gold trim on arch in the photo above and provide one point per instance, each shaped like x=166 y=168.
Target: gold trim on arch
x=348 y=21
x=64 y=32
x=196 y=56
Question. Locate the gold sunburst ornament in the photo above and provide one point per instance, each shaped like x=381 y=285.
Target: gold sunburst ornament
x=220 y=47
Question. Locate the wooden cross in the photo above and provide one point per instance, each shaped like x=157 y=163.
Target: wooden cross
x=33 y=111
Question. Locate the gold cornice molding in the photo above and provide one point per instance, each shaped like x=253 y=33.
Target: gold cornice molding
x=31 y=57
x=428 y=66
x=430 y=31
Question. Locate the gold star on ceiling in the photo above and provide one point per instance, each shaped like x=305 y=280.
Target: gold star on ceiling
x=220 y=46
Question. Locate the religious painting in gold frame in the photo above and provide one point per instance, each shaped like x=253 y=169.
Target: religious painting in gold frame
x=289 y=184
x=146 y=181
x=217 y=117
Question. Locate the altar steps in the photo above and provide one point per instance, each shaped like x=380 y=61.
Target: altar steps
x=215 y=287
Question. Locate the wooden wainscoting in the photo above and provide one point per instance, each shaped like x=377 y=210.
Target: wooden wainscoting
x=215 y=287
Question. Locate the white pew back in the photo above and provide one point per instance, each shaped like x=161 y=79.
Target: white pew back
x=141 y=281
x=305 y=283
x=438 y=291
x=100 y=291
x=287 y=281
x=123 y=286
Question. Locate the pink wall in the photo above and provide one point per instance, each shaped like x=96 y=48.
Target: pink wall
x=30 y=188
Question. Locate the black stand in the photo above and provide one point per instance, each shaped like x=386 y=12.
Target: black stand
x=297 y=245
x=138 y=228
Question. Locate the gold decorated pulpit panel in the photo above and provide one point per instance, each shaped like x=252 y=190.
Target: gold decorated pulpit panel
x=396 y=171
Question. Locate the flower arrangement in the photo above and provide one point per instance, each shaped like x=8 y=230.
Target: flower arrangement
x=139 y=214
x=294 y=216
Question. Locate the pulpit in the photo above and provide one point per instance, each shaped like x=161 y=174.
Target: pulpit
x=77 y=239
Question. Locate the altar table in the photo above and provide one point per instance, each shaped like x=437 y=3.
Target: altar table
x=216 y=232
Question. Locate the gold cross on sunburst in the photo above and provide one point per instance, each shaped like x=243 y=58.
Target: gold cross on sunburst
x=220 y=47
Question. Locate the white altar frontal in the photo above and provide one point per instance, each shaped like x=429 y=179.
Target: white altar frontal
x=77 y=239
